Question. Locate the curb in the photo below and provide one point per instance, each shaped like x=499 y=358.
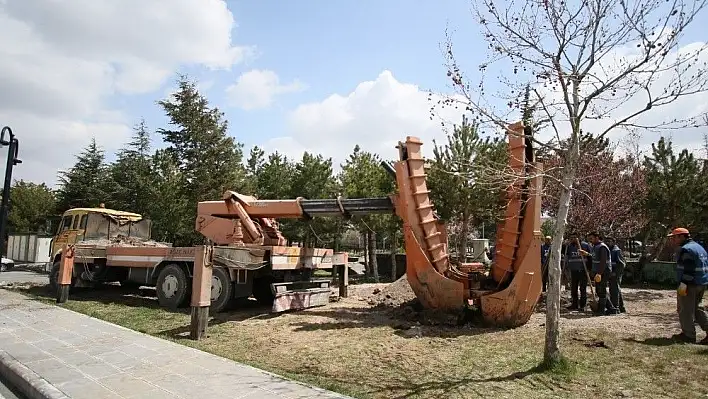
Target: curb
x=27 y=381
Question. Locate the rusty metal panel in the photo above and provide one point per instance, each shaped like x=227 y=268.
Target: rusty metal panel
x=201 y=280
x=295 y=300
x=239 y=257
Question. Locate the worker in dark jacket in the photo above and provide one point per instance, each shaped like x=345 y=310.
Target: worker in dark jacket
x=692 y=275
x=575 y=263
x=545 y=256
x=601 y=270
x=615 y=282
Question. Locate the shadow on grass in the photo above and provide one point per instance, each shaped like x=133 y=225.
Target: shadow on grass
x=653 y=341
x=364 y=317
x=108 y=294
x=407 y=384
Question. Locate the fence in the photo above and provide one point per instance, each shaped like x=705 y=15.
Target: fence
x=28 y=248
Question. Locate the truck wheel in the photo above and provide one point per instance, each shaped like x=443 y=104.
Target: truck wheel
x=222 y=291
x=173 y=287
x=262 y=291
x=54 y=277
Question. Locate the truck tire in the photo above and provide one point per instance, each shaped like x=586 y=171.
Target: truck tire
x=262 y=292
x=222 y=290
x=54 y=277
x=173 y=287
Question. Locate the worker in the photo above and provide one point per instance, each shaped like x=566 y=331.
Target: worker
x=601 y=270
x=545 y=256
x=576 y=264
x=692 y=276
x=615 y=282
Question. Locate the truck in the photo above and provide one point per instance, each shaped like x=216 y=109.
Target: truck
x=110 y=246
x=246 y=255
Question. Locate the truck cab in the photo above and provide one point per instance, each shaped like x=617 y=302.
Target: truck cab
x=80 y=224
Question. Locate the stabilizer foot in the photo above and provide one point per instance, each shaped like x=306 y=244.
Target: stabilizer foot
x=200 y=320
x=63 y=293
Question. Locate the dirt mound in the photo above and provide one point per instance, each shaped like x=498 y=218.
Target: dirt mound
x=393 y=295
x=399 y=303
x=122 y=241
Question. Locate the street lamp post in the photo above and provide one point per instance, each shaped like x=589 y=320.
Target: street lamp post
x=12 y=160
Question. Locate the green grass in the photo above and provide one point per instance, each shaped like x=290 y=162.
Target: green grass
x=350 y=348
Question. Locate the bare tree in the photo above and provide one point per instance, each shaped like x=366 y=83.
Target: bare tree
x=593 y=65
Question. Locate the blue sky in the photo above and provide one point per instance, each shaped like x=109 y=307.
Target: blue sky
x=332 y=47
x=82 y=68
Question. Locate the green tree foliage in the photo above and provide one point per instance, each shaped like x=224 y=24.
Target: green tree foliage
x=209 y=159
x=88 y=183
x=31 y=205
x=206 y=159
x=312 y=178
x=464 y=179
x=132 y=173
x=363 y=177
x=169 y=208
x=677 y=189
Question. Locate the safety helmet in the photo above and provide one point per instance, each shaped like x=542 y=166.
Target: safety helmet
x=678 y=231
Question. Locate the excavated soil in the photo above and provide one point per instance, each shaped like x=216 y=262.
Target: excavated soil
x=398 y=302
x=650 y=311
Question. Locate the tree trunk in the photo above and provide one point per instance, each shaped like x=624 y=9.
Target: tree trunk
x=372 y=256
x=462 y=256
x=367 y=264
x=551 y=353
x=394 y=249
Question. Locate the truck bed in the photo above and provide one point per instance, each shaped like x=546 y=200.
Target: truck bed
x=281 y=257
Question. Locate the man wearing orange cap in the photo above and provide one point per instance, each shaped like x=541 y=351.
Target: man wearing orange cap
x=692 y=275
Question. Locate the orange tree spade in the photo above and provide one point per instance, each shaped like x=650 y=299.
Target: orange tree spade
x=592 y=65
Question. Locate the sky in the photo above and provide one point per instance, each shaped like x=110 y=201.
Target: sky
x=290 y=76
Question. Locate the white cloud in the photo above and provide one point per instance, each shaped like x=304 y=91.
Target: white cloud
x=610 y=108
x=376 y=115
x=61 y=61
x=258 y=88
x=379 y=113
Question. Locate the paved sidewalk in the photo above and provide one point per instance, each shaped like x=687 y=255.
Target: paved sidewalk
x=85 y=357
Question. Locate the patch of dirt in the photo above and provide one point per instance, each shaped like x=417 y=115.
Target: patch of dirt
x=398 y=302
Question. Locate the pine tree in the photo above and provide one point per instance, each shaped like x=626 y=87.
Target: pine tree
x=88 y=183
x=208 y=160
x=132 y=173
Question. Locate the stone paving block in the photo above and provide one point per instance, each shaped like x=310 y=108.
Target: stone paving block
x=156 y=393
x=126 y=385
x=25 y=352
x=119 y=360
x=260 y=394
x=77 y=358
x=9 y=338
x=87 y=389
x=30 y=335
x=55 y=371
x=97 y=369
x=51 y=344
x=138 y=351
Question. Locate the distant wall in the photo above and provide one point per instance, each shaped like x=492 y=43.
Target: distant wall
x=384 y=264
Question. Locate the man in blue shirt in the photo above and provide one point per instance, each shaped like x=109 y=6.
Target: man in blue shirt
x=618 y=264
x=545 y=252
x=601 y=271
x=692 y=276
x=575 y=262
